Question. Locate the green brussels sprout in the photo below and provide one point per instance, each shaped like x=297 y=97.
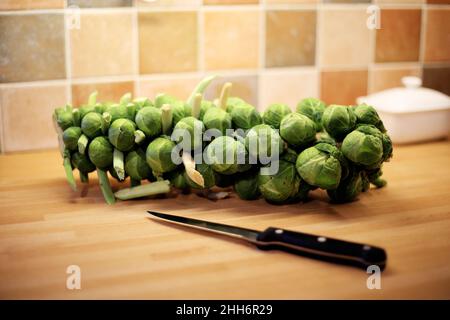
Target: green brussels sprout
x=113 y=172
x=70 y=137
x=177 y=179
x=205 y=106
x=121 y=134
x=224 y=180
x=312 y=108
x=297 y=130
x=260 y=141
x=84 y=110
x=324 y=137
x=136 y=166
x=226 y=155
x=101 y=152
x=148 y=119
x=274 y=113
x=322 y=165
x=101 y=107
x=368 y=115
x=64 y=117
x=374 y=177
x=244 y=116
x=246 y=185
x=281 y=187
x=162 y=99
x=158 y=155
x=82 y=162
x=217 y=118
x=290 y=155
x=234 y=101
x=208 y=177
x=118 y=111
x=93 y=125
x=195 y=128
x=349 y=188
x=367 y=146
x=338 y=121
x=142 y=102
x=180 y=110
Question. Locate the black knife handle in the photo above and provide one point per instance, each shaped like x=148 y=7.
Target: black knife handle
x=324 y=248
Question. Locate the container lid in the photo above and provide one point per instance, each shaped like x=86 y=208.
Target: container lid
x=410 y=98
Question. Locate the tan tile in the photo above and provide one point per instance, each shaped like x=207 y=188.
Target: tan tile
x=385 y=78
x=231 y=39
x=399 y=36
x=32 y=47
x=100 y=3
x=336 y=38
x=437 y=38
x=167 y=42
x=290 y=1
x=245 y=87
x=223 y=2
x=106 y=91
x=143 y=3
x=180 y=87
x=27 y=116
x=346 y=1
x=287 y=87
x=343 y=87
x=290 y=38
x=437 y=78
x=30 y=4
x=103 y=45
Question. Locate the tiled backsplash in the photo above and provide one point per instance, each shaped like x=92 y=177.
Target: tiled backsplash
x=56 y=51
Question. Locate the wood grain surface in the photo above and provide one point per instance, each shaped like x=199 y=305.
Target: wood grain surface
x=122 y=253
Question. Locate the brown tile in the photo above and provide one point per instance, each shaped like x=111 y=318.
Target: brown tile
x=231 y=39
x=27 y=4
x=437 y=78
x=438 y=1
x=437 y=38
x=222 y=2
x=179 y=87
x=399 y=36
x=102 y=45
x=399 y=1
x=32 y=47
x=287 y=87
x=27 y=116
x=100 y=3
x=290 y=38
x=343 y=87
x=384 y=78
x=107 y=92
x=336 y=37
x=245 y=87
x=167 y=41
x=143 y=3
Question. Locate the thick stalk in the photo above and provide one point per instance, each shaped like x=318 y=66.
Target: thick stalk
x=76 y=117
x=84 y=177
x=197 y=105
x=144 y=190
x=92 y=100
x=224 y=94
x=107 y=118
x=118 y=164
x=166 y=118
x=139 y=136
x=125 y=99
x=82 y=144
x=69 y=171
x=189 y=166
x=200 y=88
x=105 y=186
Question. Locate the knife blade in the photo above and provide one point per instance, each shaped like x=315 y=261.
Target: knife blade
x=304 y=244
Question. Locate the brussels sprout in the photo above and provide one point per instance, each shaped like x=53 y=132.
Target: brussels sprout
x=246 y=185
x=82 y=163
x=118 y=175
x=177 y=179
x=264 y=143
x=367 y=146
x=282 y=186
x=224 y=180
x=368 y=115
x=324 y=137
x=158 y=155
x=180 y=110
x=226 y=155
x=274 y=113
x=148 y=119
x=217 y=118
x=194 y=128
x=101 y=152
x=234 y=101
x=71 y=136
x=290 y=155
x=348 y=189
x=207 y=173
x=118 y=111
x=205 y=106
x=297 y=130
x=141 y=102
x=162 y=99
x=374 y=177
x=121 y=134
x=245 y=116
x=322 y=165
x=136 y=166
x=338 y=121
x=93 y=125
x=64 y=117
x=84 y=110
x=312 y=108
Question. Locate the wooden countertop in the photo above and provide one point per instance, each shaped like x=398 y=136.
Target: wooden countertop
x=45 y=227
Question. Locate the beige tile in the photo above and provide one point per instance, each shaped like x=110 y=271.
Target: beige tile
x=290 y=38
x=343 y=87
x=224 y=2
x=100 y=3
x=32 y=47
x=106 y=91
x=103 y=45
x=143 y=3
x=290 y=1
x=27 y=116
x=344 y=43
x=437 y=38
x=245 y=87
x=179 y=87
x=287 y=87
x=231 y=39
x=167 y=42
x=30 y=4
x=384 y=78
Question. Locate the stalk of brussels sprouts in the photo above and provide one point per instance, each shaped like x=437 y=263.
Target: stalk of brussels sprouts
x=70 y=137
x=312 y=108
x=145 y=190
x=338 y=121
x=274 y=113
x=148 y=120
x=281 y=187
x=69 y=170
x=263 y=144
x=158 y=155
x=297 y=130
x=368 y=115
x=246 y=185
x=227 y=156
x=94 y=125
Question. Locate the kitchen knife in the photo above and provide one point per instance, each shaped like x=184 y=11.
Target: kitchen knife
x=318 y=247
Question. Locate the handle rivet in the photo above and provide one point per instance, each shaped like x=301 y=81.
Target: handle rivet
x=366 y=248
x=321 y=239
x=278 y=231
